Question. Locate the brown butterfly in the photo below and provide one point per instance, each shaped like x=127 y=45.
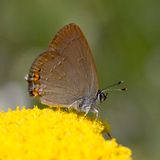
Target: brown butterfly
x=65 y=74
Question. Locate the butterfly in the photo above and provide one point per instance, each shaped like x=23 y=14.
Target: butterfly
x=65 y=74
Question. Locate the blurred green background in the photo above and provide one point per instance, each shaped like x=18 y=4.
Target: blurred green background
x=125 y=40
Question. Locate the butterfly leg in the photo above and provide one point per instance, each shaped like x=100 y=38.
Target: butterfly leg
x=95 y=110
x=71 y=106
x=87 y=109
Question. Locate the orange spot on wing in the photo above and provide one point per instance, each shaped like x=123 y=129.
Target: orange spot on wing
x=35 y=92
x=36 y=76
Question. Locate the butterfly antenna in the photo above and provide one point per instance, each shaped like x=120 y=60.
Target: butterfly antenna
x=110 y=87
x=117 y=89
x=115 y=84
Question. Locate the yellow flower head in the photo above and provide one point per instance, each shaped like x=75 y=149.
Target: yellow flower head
x=28 y=134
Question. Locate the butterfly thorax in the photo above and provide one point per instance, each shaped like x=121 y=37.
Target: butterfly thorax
x=87 y=103
x=84 y=103
x=90 y=104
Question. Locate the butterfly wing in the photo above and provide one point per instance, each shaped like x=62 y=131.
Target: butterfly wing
x=66 y=72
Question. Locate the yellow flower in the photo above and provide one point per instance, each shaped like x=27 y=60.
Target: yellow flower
x=27 y=134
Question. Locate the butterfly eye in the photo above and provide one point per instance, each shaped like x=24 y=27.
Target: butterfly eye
x=101 y=96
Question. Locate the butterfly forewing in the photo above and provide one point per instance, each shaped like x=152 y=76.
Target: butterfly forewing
x=66 y=70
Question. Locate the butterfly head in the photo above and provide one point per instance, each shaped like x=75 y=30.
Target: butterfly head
x=101 y=96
